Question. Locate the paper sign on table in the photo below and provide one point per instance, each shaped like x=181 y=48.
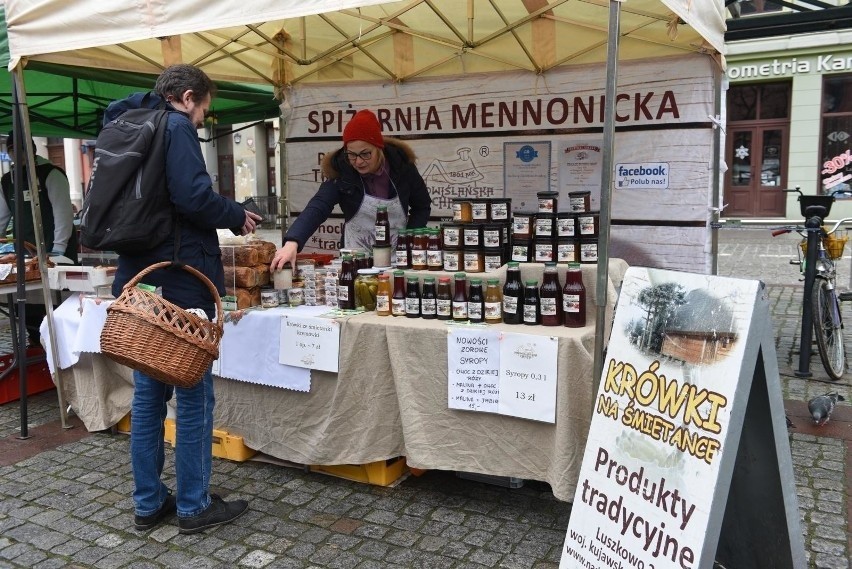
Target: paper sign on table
x=309 y=342
x=528 y=376
x=506 y=373
x=473 y=360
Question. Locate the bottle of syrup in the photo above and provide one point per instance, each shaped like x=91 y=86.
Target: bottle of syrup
x=460 y=298
x=444 y=300
x=383 y=295
x=531 y=313
x=398 y=298
x=574 y=297
x=550 y=296
x=476 y=301
x=513 y=295
x=428 y=300
x=346 y=284
x=493 y=302
x=382 y=227
x=412 y=297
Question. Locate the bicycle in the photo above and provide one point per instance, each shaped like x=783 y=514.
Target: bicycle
x=824 y=300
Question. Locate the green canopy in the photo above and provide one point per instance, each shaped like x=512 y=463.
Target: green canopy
x=68 y=101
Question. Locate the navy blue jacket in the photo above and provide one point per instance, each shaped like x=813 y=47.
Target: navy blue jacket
x=343 y=186
x=200 y=212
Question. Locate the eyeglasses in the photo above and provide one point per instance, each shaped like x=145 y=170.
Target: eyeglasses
x=364 y=155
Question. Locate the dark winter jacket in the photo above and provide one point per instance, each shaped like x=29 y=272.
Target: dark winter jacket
x=200 y=212
x=343 y=185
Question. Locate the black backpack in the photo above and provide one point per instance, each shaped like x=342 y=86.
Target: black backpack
x=127 y=207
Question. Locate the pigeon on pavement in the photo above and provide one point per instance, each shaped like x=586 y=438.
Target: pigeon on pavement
x=821 y=406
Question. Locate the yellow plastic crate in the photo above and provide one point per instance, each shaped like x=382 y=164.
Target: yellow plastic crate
x=123 y=425
x=380 y=473
x=225 y=445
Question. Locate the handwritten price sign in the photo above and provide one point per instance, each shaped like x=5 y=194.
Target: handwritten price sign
x=309 y=342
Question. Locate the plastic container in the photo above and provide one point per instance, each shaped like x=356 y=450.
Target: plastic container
x=451 y=235
x=492 y=235
x=472 y=235
x=544 y=250
x=567 y=250
x=462 y=211
x=479 y=210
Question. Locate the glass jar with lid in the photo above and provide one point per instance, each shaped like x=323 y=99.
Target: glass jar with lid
x=366 y=287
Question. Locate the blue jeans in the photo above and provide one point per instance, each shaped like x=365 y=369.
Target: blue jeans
x=193 y=450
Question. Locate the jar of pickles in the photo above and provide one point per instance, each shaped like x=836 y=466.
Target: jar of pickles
x=366 y=287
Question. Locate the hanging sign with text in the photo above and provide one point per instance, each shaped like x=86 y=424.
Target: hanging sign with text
x=505 y=373
x=309 y=342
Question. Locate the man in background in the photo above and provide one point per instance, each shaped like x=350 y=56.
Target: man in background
x=57 y=218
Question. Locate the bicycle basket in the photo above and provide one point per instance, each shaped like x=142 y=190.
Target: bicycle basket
x=833 y=246
x=807 y=201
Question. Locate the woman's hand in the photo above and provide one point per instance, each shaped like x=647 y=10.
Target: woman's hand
x=286 y=254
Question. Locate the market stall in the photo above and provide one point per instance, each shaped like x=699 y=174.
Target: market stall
x=388 y=399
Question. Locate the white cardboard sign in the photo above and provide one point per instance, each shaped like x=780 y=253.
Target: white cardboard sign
x=505 y=373
x=309 y=342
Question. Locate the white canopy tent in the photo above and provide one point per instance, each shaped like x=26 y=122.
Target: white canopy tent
x=288 y=43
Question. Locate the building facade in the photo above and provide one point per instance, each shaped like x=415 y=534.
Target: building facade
x=789 y=106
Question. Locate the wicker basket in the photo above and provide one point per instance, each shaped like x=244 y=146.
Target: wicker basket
x=833 y=246
x=147 y=333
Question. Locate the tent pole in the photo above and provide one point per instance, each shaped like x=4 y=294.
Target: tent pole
x=613 y=38
x=21 y=111
x=715 y=175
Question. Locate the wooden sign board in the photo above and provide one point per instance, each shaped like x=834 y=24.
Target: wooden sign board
x=688 y=459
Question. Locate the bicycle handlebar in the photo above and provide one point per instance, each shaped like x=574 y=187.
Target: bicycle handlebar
x=777 y=232
x=838 y=224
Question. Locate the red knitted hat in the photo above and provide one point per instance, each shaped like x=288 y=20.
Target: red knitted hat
x=364 y=126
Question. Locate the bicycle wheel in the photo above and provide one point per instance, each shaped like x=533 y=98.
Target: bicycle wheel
x=829 y=336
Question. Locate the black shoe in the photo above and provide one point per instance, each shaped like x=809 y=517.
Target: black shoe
x=218 y=512
x=144 y=523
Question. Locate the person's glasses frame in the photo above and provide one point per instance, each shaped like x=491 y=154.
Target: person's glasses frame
x=364 y=155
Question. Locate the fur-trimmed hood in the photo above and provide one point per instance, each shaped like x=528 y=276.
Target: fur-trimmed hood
x=334 y=161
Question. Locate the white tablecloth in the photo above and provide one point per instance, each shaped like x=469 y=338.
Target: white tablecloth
x=248 y=352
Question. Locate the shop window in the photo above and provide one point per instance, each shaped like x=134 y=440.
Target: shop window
x=836 y=133
x=759 y=101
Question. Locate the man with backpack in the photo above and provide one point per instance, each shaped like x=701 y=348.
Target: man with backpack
x=57 y=218
x=185 y=92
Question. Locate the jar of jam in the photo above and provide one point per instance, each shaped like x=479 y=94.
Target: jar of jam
x=492 y=235
x=522 y=225
x=545 y=225
x=479 y=210
x=493 y=258
x=588 y=224
x=472 y=235
x=434 y=257
x=418 y=250
x=543 y=250
x=548 y=202
x=462 y=211
x=566 y=223
x=521 y=249
x=500 y=208
x=579 y=201
x=474 y=261
x=589 y=250
x=452 y=260
x=452 y=236
x=567 y=250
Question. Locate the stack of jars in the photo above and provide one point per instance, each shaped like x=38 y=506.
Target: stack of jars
x=476 y=300
x=477 y=240
x=549 y=235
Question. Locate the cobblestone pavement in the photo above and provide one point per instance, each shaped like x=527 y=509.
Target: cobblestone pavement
x=69 y=506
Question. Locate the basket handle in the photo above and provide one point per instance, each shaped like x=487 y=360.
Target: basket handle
x=198 y=274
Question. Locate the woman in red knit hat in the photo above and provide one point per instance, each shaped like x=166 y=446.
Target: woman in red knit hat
x=368 y=171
